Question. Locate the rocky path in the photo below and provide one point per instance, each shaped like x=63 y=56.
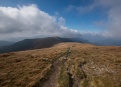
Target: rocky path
x=52 y=81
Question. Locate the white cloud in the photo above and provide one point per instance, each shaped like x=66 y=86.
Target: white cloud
x=70 y=8
x=113 y=23
x=61 y=21
x=29 y=21
x=111 y=9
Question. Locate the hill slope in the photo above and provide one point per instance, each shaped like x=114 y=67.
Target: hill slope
x=4 y=43
x=63 y=65
x=29 y=44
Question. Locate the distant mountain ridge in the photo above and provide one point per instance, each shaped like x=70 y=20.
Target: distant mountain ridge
x=5 y=43
x=38 y=43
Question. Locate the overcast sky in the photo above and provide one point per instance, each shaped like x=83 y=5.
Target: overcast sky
x=70 y=18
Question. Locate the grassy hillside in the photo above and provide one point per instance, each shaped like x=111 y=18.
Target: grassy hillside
x=30 y=44
x=63 y=65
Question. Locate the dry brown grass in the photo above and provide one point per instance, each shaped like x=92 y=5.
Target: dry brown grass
x=25 y=68
x=100 y=64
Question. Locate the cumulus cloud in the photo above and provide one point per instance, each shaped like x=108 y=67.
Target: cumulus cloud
x=114 y=22
x=61 y=21
x=29 y=21
x=112 y=9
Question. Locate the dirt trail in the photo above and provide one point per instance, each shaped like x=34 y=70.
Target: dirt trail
x=52 y=81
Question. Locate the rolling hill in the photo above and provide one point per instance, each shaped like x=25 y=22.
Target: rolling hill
x=38 y=43
x=29 y=44
x=62 y=65
x=5 y=43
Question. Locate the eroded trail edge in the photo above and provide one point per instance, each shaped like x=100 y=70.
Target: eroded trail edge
x=53 y=79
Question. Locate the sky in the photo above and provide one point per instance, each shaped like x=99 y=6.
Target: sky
x=65 y=18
